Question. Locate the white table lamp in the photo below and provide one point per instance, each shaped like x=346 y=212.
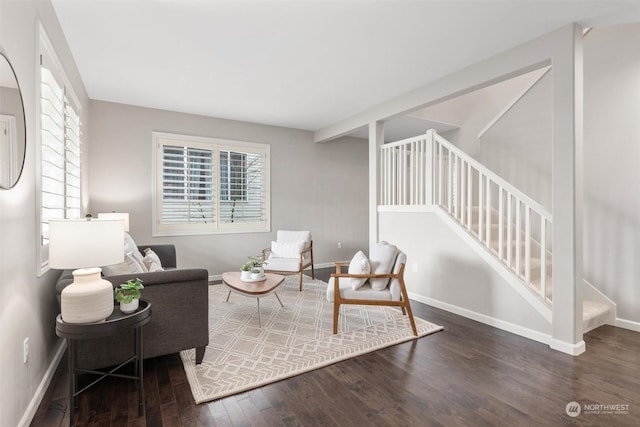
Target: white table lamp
x=116 y=215
x=86 y=243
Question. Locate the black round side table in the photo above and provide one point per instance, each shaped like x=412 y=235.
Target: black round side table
x=114 y=324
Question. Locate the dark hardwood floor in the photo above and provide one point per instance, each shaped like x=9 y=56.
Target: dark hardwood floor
x=469 y=374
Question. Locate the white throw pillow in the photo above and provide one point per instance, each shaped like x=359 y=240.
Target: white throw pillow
x=287 y=249
x=359 y=265
x=131 y=247
x=382 y=258
x=129 y=266
x=152 y=261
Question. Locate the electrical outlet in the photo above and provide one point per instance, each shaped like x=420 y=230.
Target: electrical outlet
x=415 y=267
x=339 y=245
x=25 y=350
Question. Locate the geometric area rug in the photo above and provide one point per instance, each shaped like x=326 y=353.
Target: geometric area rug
x=294 y=339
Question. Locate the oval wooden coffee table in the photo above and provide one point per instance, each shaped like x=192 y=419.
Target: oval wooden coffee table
x=255 y=290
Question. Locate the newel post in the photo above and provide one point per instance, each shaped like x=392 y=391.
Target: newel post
x=428 y=167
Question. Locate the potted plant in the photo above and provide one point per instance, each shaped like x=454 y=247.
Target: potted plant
x=128 y=295
x=252 y=269
x=245 y=271
x=257 y=273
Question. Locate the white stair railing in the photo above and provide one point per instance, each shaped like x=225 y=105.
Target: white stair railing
x=428 y=170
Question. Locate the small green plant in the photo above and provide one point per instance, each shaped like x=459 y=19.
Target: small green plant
x=253 y=262
x=129 y=291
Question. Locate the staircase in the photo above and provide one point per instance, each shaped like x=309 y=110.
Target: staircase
x=498 y=218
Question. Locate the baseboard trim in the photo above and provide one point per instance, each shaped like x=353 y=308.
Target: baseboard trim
x=628 y=324
x=568 y=348
x=483 y=318
x=31 y=410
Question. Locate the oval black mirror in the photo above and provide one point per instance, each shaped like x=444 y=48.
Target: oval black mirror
x=13 y=139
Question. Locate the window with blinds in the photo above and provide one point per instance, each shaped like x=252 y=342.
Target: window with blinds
x=207 y=185
x=60 y=146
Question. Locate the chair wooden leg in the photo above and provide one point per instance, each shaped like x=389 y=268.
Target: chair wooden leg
x=410 y=314
x=301 y=281
x=336 y=310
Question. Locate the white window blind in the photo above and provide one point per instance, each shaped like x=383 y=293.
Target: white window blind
x=241 y=187
x=187 y=185
x=207 y=185
x=60 y=146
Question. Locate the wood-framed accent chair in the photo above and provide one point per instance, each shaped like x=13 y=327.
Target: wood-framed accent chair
x=340 y=289
x=291 y=253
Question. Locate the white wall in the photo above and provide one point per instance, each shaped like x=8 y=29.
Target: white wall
x=518 y=146
x=449 y=272
x=319 y=187
x=28 y=306
x=612 y=165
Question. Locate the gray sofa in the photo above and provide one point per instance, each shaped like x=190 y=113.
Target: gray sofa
x=179 y=320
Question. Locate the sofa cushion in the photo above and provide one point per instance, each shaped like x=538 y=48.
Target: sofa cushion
x=382 y=258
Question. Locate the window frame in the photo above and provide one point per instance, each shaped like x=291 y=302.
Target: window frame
x=73 y=205
x=216 y=145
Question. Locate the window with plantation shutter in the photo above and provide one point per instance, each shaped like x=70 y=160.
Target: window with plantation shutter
x=208 y=185
x=60 y=147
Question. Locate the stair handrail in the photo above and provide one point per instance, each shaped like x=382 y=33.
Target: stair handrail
x=537 y=207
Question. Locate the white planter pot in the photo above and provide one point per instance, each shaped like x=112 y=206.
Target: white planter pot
x=245 y=275
x=131 y=307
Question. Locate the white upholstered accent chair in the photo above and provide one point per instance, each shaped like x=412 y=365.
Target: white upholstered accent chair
x=291 y=253
x=378 y=280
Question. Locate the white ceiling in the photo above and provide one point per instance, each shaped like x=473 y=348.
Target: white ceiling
x=301 y=64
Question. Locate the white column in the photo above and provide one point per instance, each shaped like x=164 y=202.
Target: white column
x=376 y=139
x=567 y=194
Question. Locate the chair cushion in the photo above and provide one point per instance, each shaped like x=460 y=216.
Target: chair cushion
x=363 y=292
x=293 y=236
x=359 y=265
x=282 y=264
x=382 y=259
x=288 y=249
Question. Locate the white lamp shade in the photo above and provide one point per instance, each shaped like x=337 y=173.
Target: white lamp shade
x=85 y=243
x=116 y=215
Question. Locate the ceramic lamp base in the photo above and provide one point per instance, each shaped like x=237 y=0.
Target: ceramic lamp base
x=88 y=299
